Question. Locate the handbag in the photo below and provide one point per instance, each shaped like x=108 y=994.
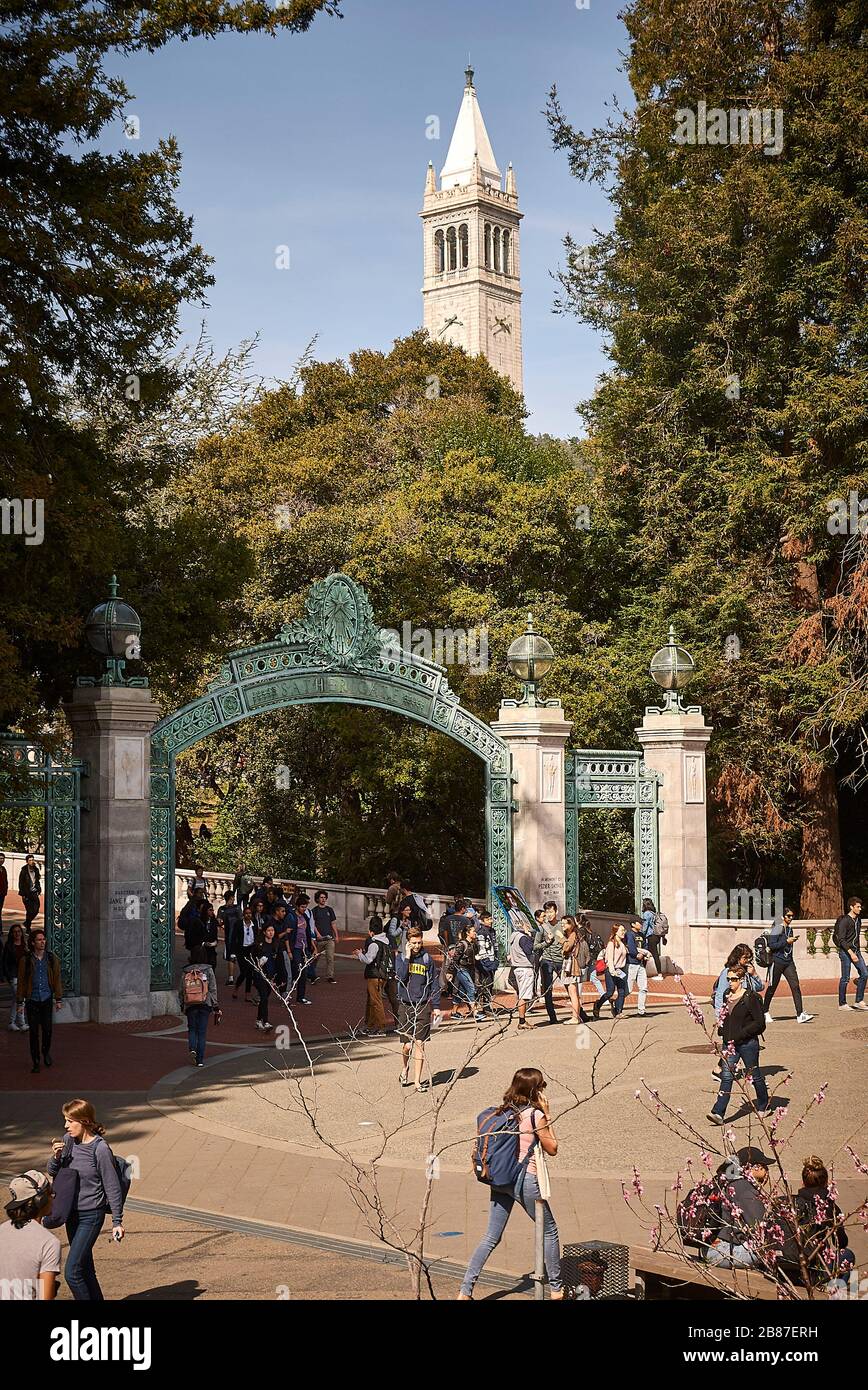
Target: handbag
x=600 y=966
x=65 y=1194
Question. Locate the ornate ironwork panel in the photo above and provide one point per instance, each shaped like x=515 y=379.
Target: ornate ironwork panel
x=605 y=779
x=334 y=654
x=31 y=777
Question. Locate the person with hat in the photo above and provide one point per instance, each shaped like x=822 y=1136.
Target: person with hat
x=29 y=1255
x=744 y=1207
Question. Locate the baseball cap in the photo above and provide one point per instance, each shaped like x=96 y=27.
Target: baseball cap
x=29 y=1184
x=753 y=1158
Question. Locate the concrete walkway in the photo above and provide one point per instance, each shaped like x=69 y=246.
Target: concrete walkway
x=233 y=1139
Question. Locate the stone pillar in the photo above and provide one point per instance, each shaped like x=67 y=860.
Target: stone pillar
x=537 y=736
x=111 y=728
x=673 y=743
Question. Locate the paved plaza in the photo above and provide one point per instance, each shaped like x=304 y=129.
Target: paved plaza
x=232 y=1140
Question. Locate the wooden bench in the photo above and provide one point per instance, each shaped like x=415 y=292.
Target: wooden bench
x=668 y=1276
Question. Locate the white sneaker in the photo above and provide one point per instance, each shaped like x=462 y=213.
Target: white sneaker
x=804 y=1018
x=260 y=1025
x=863 y=1006
x=769 y=1018
x=848 y=1007
x=12 y=1026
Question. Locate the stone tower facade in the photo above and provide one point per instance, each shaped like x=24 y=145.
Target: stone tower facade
x=472 y=270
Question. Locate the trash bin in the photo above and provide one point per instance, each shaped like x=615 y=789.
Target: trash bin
x=596 y=1269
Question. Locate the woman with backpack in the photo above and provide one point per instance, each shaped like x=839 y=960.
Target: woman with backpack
x=198 y=996
x=526 y=1110
x=654 y=927
x=98 y=1189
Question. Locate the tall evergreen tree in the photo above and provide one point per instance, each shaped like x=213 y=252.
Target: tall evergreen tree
x=732 y=292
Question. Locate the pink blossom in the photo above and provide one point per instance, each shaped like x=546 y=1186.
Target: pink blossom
x=861 y=1166
x=821 y=1094
x=655 y=1240
x=637 y=1095
x=637 y=1182
x=706 y=1158
x=678 y=1184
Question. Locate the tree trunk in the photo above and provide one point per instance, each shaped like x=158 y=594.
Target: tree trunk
x=822 y=885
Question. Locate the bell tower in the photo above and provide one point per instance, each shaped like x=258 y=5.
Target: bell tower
x=471 y=291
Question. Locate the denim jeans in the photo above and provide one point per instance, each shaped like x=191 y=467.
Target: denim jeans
x=465 y=989
x=197 y=1029
x=82 y=1229
x=749 y=1054
x=861 y=976
x=501 y=1207
x=729 y=1256
x=547 y=975
x=616 y=990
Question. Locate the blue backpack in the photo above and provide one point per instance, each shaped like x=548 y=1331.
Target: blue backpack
x=495 y=1155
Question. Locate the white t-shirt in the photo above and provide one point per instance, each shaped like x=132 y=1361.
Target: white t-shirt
x=25 y=1253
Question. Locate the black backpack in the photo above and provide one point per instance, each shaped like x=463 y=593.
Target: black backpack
x=382 y=967
x=761 y=953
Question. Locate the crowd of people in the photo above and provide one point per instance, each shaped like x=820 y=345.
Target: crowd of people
x=278 y=943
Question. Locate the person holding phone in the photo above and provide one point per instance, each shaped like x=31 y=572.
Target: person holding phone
x=86 y=1152
x=781 y=941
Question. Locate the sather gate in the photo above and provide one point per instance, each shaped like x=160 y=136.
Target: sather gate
x=335 y=654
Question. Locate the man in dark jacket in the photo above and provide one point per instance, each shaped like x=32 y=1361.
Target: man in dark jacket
x=742 y=1025
x=781 y=941
x=846 y=938
x=744 y=1206
x=30 y=890
x=40 y=990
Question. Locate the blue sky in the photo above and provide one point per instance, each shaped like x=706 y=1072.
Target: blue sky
x=318 y=142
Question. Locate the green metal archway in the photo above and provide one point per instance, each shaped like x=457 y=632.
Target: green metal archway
x=334 y=655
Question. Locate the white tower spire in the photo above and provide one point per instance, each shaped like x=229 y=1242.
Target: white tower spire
x=472 y=287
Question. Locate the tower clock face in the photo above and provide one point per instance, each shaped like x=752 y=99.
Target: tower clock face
x=499 y=325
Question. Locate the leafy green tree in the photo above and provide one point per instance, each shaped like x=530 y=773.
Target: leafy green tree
x=731 y=290
x=95 y=260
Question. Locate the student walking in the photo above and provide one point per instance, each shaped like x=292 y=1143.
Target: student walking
x=228 y=915
x=4 y=889
x=525 y=1100
x=198 y=996
x=242 y=886
x=379 y=964
x=549 y=943
x=324 y=919
x=13 y=953
x=302 y=953
x=486 y=962
x=243 y=939
x=40 y=991
x=637 y=975
x=572 y=968
x=615 y=958
x=781 y=941
x=655 y=926
x=86 y=1152
x=29 y=1255
x=265 y=968
x=418 y=981
x=29 y=889
x=743 y=1025
x=846 y=938
x=520 y=957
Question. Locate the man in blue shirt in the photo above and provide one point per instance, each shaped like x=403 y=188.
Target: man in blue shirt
x=637 y=976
